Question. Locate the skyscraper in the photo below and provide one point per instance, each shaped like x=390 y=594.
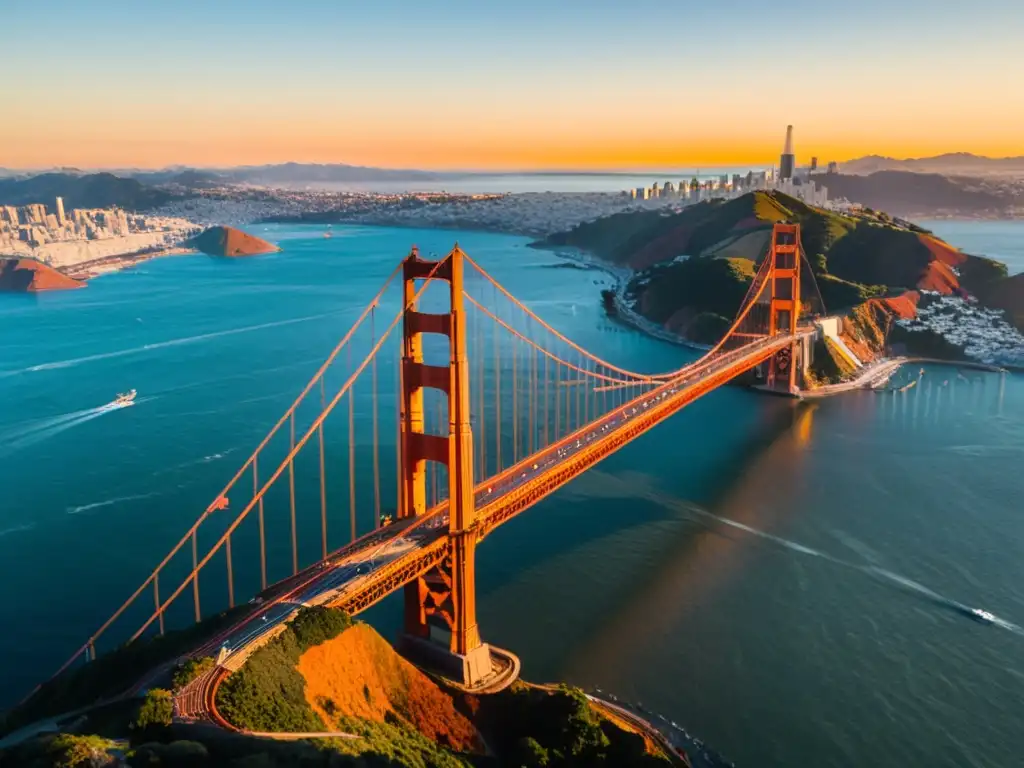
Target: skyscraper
x=60 y=211
x=788 y=160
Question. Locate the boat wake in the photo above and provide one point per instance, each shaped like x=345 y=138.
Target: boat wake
x=108 y=503
x=38 y=425
x=946 y=602
x=195 y=462
x=791 y=545
x=16 y=528
x=44 y=429
x=873 y=570
x=75 y=361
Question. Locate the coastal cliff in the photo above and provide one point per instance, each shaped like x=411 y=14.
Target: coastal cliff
x=692 y=267
x=31 y=276
x=230 y=242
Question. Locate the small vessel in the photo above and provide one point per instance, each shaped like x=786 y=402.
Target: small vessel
x=327 y=234
x=125 y=398
x=981 y=616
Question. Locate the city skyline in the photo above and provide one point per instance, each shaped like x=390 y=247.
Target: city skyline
x=595 y=86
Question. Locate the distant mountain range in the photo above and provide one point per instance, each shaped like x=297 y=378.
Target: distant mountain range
x=949 y=164
x=913 y=194
x=95 y=190
x=283 y=173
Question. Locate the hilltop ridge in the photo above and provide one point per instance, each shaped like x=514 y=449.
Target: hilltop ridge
x=691 y=268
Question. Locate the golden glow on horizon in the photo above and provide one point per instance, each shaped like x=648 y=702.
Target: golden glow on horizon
x=479 y=144
x=136 y=154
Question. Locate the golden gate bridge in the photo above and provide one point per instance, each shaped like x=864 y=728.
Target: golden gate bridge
x=492 y=410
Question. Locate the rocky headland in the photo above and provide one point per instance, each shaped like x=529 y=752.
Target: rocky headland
x=690 y=270
x=230 y=242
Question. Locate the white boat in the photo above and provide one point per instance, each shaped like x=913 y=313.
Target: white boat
x=125 y=398
x=983 y=616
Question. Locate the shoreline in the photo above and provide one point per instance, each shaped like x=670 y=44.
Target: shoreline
x=624 y=314
x=88 y=270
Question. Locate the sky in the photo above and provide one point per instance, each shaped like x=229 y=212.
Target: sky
x=526 y=85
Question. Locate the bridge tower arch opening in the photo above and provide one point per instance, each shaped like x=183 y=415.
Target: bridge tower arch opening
x=440 y=622
x=784 y=253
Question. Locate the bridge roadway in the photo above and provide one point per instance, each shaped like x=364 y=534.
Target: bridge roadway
x=360 y=574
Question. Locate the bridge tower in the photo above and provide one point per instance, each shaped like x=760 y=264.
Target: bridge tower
x=440 y=606
x=784 y=312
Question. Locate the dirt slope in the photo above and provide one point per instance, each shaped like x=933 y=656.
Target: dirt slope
x=358 y=674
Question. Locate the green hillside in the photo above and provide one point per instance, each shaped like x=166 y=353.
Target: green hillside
x=852 y=258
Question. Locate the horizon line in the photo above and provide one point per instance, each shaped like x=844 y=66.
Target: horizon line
x=689 y=168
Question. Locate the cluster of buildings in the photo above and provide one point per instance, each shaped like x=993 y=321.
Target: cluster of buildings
x=537 y=214
x=33 y=226
x=982 y=333
x=84 y=235
x=786 y=178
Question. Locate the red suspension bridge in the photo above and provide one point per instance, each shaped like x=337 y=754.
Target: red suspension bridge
x=493 y=410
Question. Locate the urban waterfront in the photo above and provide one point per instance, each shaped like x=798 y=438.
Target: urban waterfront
x=780 y=579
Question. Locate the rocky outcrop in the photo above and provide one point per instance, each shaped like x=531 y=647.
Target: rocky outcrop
x=31 y=276
x=230 y=242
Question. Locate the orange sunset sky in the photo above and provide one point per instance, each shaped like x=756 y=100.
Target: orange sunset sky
x=580 y=86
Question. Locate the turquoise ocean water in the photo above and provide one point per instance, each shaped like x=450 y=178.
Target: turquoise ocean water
x=782 y=579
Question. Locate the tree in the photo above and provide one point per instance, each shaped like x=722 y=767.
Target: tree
x=156 y=710
x=530 y=754
x=189 y=670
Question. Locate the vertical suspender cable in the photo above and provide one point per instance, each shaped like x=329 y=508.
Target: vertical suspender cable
x=263 y=534
x=558 y=399
x=351 y=451
x=483 y=403
x=323 y=478
x=156 y=599
x=580 y=383
x=532 y=400
x=547 y=401
x=399 y=408
x=515 y=402
x=231 y=575
x=291 y=491
x=497 y=395
x=195 y=577
x=376 y=442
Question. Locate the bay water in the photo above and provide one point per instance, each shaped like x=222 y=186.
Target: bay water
x=786 y=580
